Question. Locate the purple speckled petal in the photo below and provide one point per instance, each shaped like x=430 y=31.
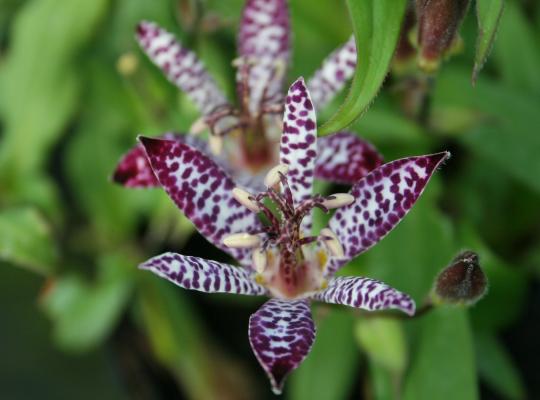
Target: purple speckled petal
x=345 y=158
x=203 y=191
x=383 y=198
x=281 y=334
x=365 y=293
x=264 y=44
x=203 y=275
x=134 y=170
x=334 y=72
x=182 y=67
x=298 y=148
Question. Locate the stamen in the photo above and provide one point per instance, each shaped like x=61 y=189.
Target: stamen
x=241 y=240
x=332 y=243
x=259 y=260
x=274 y=175
x=246 y=199
x=216 y=144
x=198 y=127
x=338 y=200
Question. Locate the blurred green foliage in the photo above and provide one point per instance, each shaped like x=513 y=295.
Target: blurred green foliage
x=69 y=108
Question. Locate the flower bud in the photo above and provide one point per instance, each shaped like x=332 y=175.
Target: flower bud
x=438 y=23
x=463 y=281
x=405 y=54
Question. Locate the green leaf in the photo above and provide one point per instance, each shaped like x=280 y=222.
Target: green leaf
x=517 y=53
x=84 y=314
x=443 y=366
x=384 y=384
x=334 y=349
x=26 y=240
x=496 y=367
x=39 y=83
x=376 y=25
x=506 y=138
x=383 y=340
x=489 y=14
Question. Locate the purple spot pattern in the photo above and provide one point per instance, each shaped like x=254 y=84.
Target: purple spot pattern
x=365 y=293
x=203 y=275
x=264 y=40
x=345 y=158
x=298 y=147
x=383 y=197
x=281 y=334
x=202 y=191
x=181 y=66
x=334 y=72
x=134 y=170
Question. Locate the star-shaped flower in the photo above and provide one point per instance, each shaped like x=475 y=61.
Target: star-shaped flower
x=253 y=128
x=280 y=257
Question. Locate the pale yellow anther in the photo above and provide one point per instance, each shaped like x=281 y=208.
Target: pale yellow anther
x=332 y=243
x=198 y=127
x=244 y=198
x=273 y=176
x=259 y=260
x=216 y=144
x=241 y=240
x=338 y=200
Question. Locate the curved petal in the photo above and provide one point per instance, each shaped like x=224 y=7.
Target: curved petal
x=202 y=191
x=264 y=47
x=345 y=158
x=281 y=334
x=383 y=198
x=182 y=67
x=365 y=293
x=203 y=275
x=334 y=72
x=134 y=170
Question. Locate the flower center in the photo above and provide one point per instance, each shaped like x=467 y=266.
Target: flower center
x=255 y=126
x=289 y=262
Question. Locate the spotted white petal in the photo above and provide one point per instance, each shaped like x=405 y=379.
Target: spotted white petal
x=281 y=334
x=182 y=67
x=365 y=293
x=382 y=199
x=203 y=191
x=264 y=48
x=345 y=158
x=333 y=74
x=203 y=275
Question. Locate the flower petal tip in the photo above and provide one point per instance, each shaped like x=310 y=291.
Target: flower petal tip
x=407 y=305
x=142 y=29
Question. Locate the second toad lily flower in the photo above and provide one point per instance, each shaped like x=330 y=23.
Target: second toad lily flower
x=253 y=128
x=281 y=257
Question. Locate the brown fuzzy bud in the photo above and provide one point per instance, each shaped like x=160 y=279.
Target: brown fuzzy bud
x=438 y=23
x=463 y=281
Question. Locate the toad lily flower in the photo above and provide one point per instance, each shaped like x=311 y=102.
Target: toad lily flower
x=254 y=127
x=269 y=233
